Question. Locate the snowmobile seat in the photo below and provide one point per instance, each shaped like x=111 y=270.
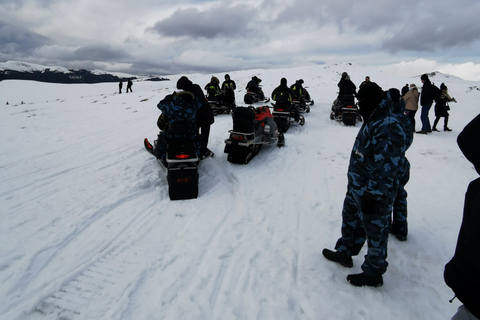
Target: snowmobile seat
x=243 y=119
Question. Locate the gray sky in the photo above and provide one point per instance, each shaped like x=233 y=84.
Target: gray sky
x=180 y=36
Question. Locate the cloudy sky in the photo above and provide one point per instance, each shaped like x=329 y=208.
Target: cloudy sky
x=211 y=36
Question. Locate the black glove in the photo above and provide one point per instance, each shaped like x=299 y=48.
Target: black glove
x=369 y=205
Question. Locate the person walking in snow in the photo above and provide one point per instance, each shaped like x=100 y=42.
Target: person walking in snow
x=462 y=272
x=367 y=208
x=411 y=103
x=129 y=85
x=120 y=86
x=442 y=107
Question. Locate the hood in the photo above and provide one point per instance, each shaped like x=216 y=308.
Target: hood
x=468 y=141
x=398 y=102
x=385 y=107
x=184 y=83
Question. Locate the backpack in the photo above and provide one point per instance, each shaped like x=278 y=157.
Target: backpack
x=436 y=93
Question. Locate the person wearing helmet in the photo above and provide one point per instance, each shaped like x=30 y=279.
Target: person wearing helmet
x=297 y=90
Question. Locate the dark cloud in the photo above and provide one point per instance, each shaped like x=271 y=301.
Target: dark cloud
x=220 y=21
x=18 y=40
x=433 y=32
x=99 y=52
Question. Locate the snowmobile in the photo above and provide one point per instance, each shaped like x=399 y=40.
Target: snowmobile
x=252 y=97
x=220 y=107
x=284 y=115
x=346 y=110
x=181 y=161
x=252 y=128
x=306 y=96
x=301 y=108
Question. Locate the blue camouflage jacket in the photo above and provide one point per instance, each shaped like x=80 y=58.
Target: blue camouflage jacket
x=180 y=106
x=378 y=153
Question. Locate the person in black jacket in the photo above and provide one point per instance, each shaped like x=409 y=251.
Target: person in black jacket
x=283 y=94
x=426 y=101
x=462 y=273
x=369 y=96
x=205 y=117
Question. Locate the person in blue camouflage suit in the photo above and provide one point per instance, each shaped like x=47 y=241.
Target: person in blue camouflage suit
x=372 y=183
x=178 y=107
x=399 y=226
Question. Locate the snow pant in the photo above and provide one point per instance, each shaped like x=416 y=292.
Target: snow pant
x=445 y=122
x=463 y=314
x=411 y=115
x=359 y=227
x=424 y=117
x=204 y=132
x=399 y=220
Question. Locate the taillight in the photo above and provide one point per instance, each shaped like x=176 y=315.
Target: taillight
x=182 y=156
x=281 y=110
x=238 y=137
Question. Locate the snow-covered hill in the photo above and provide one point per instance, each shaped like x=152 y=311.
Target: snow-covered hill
x=88 y=230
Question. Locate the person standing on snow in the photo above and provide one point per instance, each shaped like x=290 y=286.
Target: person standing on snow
x=369 y=96
x=462 y=272
x=426 y=101
x=411 y=103
x=228 y=87
x=367 y=208
x=205 y=117
x=399 y=226
x=120 y=85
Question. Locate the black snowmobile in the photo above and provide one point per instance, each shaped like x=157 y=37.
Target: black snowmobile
x=346 y=110
x=220 y=107
x=252 y=128
x=306 y=96
x=283 y=113
x=181 y=161
x=252 y=97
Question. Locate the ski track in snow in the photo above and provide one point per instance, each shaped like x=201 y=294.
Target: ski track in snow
x=90 y=232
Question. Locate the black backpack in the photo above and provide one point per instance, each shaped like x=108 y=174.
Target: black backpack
x=436 y=93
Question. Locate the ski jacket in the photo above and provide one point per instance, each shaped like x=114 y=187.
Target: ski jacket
x=180 y=106
x=441 y=109
x=282 y=92
x=253 y=85
x=347 y=87
x=426 y=97
x=462 y=273
x=229 y=85
x=411 y=99
x=377 y=154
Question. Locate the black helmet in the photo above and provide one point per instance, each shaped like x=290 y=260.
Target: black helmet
x=227 y=77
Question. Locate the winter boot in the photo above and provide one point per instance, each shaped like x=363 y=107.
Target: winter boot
x=361 y=279
x=338 y=257
x=447 y=129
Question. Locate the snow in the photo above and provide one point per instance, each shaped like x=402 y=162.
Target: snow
x=88 y=230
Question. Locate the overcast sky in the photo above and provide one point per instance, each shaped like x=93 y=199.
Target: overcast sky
x=179 y=36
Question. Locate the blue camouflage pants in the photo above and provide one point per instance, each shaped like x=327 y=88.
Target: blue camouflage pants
x=358 y=228
x=399 y=221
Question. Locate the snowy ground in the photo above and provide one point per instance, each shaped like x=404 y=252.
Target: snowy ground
x=87 y=230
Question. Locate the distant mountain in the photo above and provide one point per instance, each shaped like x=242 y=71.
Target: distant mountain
x=15 y=70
